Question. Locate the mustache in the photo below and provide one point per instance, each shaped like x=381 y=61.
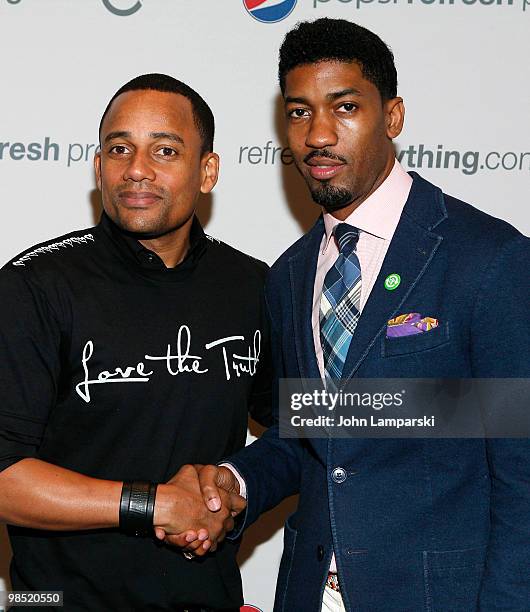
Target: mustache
x=324 y=153
x=140 y=189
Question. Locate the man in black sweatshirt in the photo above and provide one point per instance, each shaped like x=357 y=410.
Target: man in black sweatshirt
x=127 y=351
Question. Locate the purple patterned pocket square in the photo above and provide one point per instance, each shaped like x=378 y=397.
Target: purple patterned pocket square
x=409 y=324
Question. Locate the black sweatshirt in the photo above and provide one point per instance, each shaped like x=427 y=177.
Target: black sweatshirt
x=116 y=367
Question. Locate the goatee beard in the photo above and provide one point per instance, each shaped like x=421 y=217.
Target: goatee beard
x=331 y=198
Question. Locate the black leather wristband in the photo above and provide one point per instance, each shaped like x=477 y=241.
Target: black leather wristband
x=137 y=508
x=124 y=503
x=151 y=505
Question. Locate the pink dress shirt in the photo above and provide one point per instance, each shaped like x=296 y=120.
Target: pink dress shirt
x=377 y=218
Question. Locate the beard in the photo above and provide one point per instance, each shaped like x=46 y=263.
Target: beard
x=140 y=224
x=330 y=197
x=324 y=194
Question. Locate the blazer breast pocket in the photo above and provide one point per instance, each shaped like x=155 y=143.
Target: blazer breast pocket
x=416 y=343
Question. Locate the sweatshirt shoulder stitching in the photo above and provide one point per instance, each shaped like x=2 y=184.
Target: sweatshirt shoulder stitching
x=212 y=239
x=54 y=246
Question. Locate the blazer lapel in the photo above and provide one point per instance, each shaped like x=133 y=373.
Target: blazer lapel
x=302 y=271
x=411 y=250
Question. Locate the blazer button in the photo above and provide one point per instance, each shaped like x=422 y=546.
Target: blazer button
x=339 y=475
x=320 y=552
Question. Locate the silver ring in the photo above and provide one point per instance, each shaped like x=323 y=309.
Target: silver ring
x=188 y=555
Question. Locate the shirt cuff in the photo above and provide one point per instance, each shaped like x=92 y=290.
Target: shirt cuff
x=240 y=479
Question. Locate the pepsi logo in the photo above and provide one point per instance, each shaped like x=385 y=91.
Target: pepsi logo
x=249 y=608
x=269 y=11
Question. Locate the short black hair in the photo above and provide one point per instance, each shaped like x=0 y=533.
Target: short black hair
x=343 y=41
x=202 y=113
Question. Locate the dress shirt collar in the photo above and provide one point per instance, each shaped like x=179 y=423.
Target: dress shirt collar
x=379 y=214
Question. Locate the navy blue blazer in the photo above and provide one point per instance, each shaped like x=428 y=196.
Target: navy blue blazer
x=417 y=524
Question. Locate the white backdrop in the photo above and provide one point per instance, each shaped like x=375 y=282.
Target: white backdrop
x=462 y=67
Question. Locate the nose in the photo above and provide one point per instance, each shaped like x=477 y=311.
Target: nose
x=322 y=132
x=139 y=168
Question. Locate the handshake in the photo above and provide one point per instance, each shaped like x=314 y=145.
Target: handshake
x=196 y=508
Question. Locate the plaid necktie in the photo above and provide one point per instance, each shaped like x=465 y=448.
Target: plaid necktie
x=340 y=303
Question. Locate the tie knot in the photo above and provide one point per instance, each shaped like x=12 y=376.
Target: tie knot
x=346 y=237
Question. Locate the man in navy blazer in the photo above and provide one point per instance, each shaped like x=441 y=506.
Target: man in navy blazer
x=403 y=524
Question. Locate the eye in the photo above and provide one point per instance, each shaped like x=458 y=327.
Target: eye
x=166 y=151
x=298 y=113
x=348 y=106
x=119 y=149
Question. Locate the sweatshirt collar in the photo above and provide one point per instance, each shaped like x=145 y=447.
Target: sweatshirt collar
x=147 y=261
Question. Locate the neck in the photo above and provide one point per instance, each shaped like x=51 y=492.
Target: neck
x=345 y=212
x=171 y=247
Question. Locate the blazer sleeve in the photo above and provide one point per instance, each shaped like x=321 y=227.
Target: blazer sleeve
x=270 y=466
x=501 y=349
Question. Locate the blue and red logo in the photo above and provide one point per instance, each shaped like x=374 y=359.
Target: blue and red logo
x=269 y=11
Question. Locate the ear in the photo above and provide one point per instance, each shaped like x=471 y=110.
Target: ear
x=97 y=169
x=395 y=116
x=210 y=171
